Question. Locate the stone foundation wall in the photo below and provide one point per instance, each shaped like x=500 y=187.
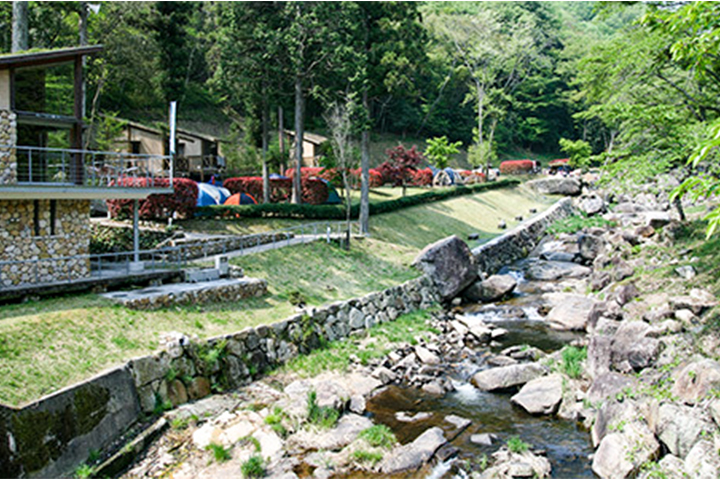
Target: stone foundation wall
x=19 y=242
x=520 y=241
x=8 y=136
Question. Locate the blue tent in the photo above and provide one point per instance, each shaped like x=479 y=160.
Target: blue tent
x=211 y=195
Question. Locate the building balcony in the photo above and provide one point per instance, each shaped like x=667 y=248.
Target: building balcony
x=85 y=174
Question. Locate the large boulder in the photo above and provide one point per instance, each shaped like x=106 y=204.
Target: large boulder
x=414 y=454
x=694 y=381
x=548 y=271
x=490 y=290
x=608 y=385
x=622 y=454
x=697 y=301
x=450 y=265
x=702 y=461
x=680 y=427
x=592 y=204
x=590 y=246
x=632 y=349
x=502 y=378
x=344 y=433
x=507 y=464
x=570 y=311
x=556 y=186
x=541 y=396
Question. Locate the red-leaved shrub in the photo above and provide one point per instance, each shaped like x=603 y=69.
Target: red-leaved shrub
x=376 y=179
x=515 y=167
x=156 y=206
x=314 y=191
x=332 y=175
x=422 y=178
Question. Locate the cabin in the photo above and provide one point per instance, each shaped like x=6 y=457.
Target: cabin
x=198 y=156
x=47 y=178
x=311 y=147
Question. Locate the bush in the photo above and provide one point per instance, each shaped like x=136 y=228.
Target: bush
x=157 y=206
x=253 y=467
x=332 y=175
x=516 y=167
x=337 y=212
x=314 y=191
x=376 y=178
x=379 y=436
x=422 y=178
x=572 y=358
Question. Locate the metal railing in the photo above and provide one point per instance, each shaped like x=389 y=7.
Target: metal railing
x=107 y=265
x=88 y=168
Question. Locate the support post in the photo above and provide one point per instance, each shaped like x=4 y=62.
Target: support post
x=136 y=265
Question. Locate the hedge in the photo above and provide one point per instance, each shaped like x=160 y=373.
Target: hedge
x=314 y=192
x=512 y=167
x=337 y=212
x=157 y=206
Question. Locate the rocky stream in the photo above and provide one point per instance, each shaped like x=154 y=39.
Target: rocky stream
x=555 y=367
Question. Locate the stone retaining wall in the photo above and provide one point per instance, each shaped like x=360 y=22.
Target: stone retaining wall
x=199 y=248
x=18 y=241
x=521 y=240
x=51 y=436
x=8 y=136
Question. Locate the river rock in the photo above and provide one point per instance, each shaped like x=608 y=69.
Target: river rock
x=549 y=271
x=626 y=293
x=344 y=433
x=599 y=280
x=680 y=427
x=570 y=311
x=632 y=349
x=484 y=439
x=592 y=205
x=556 y=186
x=426 y=356
x=598 y=355
x=694 y=381
x=501 y=378
x=450 y=265
x=490 y=290
x=541 y=396
x=702 y=461
x=414 y=454
x=657 y=219
x=697 y=301
x=621 y=454
x=507 y=464
x=621 y=271
x=554 y=256
x=607 y=385
x=590 y=246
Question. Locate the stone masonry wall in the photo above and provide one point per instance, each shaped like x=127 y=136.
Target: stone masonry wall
x=8 y=136
x=521 y=240
x=19 y=242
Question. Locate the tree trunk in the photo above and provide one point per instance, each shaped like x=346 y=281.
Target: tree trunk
x=83 y=34
x=365 y=172
x=19 y=27
x=265 y=142
x=281 y=139
x=299 y=121
x=481 y=101
x=348 y=208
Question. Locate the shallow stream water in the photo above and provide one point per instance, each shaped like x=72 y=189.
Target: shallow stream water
x=566 y=445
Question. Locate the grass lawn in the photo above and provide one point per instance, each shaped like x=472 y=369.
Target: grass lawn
x=51 y=343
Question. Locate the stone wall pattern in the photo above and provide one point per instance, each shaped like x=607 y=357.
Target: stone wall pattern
x=8 y=136
x=18 y=241
x=521 y=240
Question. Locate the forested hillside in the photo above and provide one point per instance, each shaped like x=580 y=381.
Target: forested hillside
x=618 y=81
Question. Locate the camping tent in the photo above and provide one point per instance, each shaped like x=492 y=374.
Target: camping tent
x=240 y=199
x=211 y=195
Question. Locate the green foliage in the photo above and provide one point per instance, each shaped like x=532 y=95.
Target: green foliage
x=220 y=453
x=323 y=417
x=84 y=471
x=572 y=358
x=379 y=436
x=579 y=152
x=253 y=467
x=161 y=406
x=438 y=151
x=480 y=155
x=275 y=420
x=363 y=456
x=575 y=223
x=515 y=445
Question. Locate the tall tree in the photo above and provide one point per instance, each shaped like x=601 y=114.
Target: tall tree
x=20 y=27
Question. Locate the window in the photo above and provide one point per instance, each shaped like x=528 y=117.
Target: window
x=135 y=148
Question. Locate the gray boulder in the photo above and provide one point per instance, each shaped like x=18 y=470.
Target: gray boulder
x=570 y=311
x=626 y=293
x=607 y=385
x=632 y=349
x=612 y=458
x=697 y=301
x=501 y=378
x=415 y=453
x=490 y=290
x=541 y=396
x=702 y=461
x=548 y=271
x=450 y=265
x=590 y=246
x=680 y=427
x=592 y=205
x=346 y=431
x=694 y=381
x=556 y=186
